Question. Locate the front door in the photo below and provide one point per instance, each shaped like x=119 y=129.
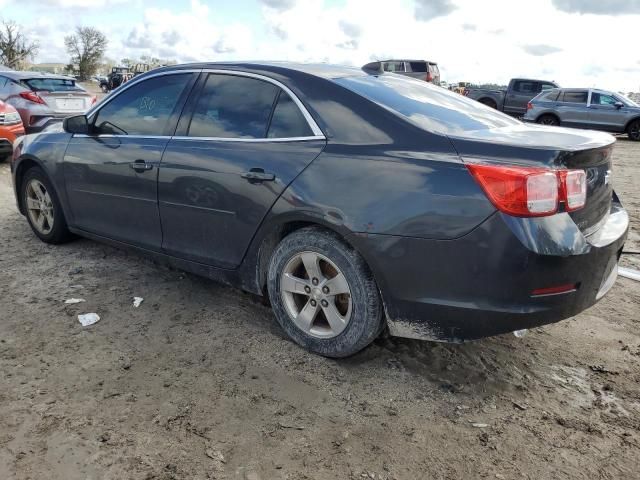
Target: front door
x=604 y=114
x=245 y=141
x=111 y=174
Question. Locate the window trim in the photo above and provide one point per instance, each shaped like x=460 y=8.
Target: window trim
x=317 y=132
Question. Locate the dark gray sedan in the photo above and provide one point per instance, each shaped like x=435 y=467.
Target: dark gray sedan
x=586 y=108
x=354 y=200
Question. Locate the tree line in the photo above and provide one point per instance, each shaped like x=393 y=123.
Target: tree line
x=86 y=48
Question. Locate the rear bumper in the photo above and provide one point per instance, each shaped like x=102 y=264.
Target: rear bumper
x=481 y=284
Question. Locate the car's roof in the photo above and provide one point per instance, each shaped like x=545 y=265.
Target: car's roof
x=323 y=70
x=31 y=75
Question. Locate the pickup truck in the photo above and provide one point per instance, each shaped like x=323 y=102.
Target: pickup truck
x=512 y=100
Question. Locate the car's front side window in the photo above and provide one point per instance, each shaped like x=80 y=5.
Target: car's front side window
x=233 y=106
x=143 y=109
x=527 y=87
x=602 y=99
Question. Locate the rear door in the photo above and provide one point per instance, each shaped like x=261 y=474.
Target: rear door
x=111 y=174
x=242 y=141
x=572 y=108
x=603 y=113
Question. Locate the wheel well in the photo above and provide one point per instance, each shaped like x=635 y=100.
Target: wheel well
x=548 y=114
x=626 y=127
x=271 y=241
x=488 y=101
x=24 y=166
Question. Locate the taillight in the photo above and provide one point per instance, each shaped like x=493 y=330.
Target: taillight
x=429 y=77
x=529 y=106
x=529 y=191
x=574 y=189
x=32 y=97
x=94 y=100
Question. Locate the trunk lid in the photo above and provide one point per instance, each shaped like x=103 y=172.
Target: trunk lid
x=551 y=147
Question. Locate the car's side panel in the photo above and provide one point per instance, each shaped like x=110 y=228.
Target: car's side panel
x=402 y=192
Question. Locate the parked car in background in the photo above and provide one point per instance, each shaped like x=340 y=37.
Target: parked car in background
x=512 y=100
x=10 y=129
x=421 y=69
x=261 y=176
x=117 y=77
x=42 y=99
x=586 y=108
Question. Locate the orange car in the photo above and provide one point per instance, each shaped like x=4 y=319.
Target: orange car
x=10 y=129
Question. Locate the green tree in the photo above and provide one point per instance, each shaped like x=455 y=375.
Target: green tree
x=15 y=48
x=86 y=49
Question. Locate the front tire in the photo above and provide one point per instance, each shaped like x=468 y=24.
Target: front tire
x=634 y=131
x=42 y=208
x=323 y=294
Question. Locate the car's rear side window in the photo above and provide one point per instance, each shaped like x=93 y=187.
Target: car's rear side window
x=144 y=108
x=287 y=120
x=432 y=108
x=575 y=97
x=233 y=107
x=393 y=66
x=549 y=96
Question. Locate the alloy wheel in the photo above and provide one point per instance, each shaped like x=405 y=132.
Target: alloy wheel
x=634 y=131
x=548 y=121
x=316 y=295
x=39 y=206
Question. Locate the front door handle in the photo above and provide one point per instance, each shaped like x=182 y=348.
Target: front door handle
x=140 y=166
x=257 y=175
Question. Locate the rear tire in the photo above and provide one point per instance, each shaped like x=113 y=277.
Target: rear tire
x=489 y=103
x=547 y=119
x=323 y=294
x=634 y=130
x=42 y=208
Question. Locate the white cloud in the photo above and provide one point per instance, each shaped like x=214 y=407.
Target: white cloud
x=562 y=40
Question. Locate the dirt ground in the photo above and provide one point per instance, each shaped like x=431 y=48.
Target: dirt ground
x=200 y=383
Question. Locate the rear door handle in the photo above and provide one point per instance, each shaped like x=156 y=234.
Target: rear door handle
x=140 y=166
x=257 y=175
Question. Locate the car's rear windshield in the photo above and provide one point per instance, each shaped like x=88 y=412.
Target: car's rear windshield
x=418 y=66
x=52 y=84
x=430 y=107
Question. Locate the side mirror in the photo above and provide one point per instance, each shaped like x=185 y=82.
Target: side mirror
x=77 y=124
x=618 y=105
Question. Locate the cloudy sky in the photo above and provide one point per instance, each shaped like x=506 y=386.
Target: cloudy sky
x=574 y=42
